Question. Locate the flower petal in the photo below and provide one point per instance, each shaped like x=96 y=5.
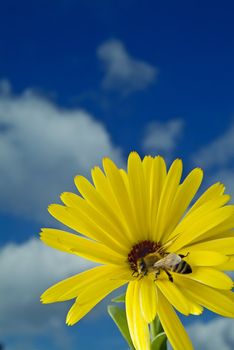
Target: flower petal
x=222 y=245
x=227 y=266
x=86 y=248
x=138 y=327
x=90 y=296
x=218 y=301
x=167 y=196
x=211 y=194
x=71 y=287
x=108 y=215
x=104 y=189
x=83 y=222
x=210 y=277
x=137 y=190
x=174 y=295
x=102 y=186
x=156 y=184
x=194 y=225
x=172 y=326
x=185 y=193
x=203 y=258
x=147 y=165
x=222 y=230
x=122 y=197
x=148 y=299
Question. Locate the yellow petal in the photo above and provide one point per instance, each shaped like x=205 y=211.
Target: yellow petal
x=124 y=175
x=148 y=299
x=227 y=266
x=130 y=312
x=137 y=190
x=93 y=200
x=185 y=193
x=210 y=277
x=174 y=295
x=194 y=307
x=112 y=234
x=103 y=188
x=147 y=165
x=167 y=196
x=218 y=301
x=211 y=194
x=203 y=258
x=157 y=180
x=197 y=214
x=138 y=327
x=195 y=226
x=222 y=230
x=71 y=287
x=222 y=245
x=172 y=326
x=86 y=248
x=81 y=221
x=89 y=297
x=122 y=197
x=225 y=230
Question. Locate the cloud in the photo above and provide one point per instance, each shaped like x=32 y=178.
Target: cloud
x=26 y=271
x=42 y=147
x=219 y=153
x=162 y=137
x=213 y=335
x=217 y=158
x=124 y=73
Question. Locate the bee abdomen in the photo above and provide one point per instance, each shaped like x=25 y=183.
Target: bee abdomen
x=182 y=268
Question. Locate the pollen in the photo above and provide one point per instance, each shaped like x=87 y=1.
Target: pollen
x=140 y=250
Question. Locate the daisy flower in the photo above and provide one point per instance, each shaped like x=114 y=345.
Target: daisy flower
x=142 y=229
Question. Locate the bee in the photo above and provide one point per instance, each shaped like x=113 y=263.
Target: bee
x=170 y=262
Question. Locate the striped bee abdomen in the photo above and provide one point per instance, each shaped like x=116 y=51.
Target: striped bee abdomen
x=182 y=267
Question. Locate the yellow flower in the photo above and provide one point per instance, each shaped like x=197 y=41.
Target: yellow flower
x=126 y=216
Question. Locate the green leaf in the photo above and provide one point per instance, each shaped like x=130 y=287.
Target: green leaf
x=159 y=342
x=119 y=299
x=119 y=317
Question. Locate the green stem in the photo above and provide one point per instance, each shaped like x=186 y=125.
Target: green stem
x=156 y=327
x=153 y=329
x=158 y=337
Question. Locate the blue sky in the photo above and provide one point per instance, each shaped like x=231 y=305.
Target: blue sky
x=80 y=80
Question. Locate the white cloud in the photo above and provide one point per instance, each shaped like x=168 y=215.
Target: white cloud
x=162 y=137
x=217 y=158
x=123 y=72
x=213 y=335
x=42 y=147
x=26 y=271
x=219 y=152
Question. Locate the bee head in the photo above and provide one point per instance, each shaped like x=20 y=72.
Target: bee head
x=141 y=266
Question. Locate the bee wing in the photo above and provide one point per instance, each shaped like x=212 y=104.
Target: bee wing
x=169 y=261
x=160 y=263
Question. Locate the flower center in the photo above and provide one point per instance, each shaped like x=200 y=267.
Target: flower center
x=139 y=251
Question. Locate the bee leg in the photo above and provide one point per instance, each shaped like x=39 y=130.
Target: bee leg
x=157 y=273
x=169 y=276
x=183 y=256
